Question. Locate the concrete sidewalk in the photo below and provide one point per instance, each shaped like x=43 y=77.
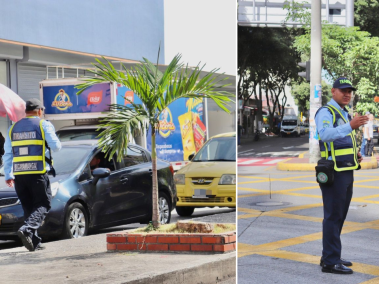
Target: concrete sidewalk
x=86 y=260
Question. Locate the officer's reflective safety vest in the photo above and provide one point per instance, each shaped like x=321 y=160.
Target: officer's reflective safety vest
x=343 y=150
x=28 y=146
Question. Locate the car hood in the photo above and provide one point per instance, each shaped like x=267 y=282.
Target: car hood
x=6 y=191
x=208 y=169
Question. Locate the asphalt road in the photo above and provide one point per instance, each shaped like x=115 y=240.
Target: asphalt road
x=219 y=215
x=280 y=221
x=273 y=147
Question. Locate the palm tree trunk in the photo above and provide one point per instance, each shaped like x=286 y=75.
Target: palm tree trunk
x=155 y=179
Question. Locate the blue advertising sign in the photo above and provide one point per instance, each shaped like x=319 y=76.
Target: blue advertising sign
x=63 y=99
x=182 y=128
x=124 y=92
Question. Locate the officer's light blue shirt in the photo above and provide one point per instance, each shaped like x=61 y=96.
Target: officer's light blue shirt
x=324 y=124
x=50 y=137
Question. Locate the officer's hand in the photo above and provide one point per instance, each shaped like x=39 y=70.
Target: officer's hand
x=358 y=121
x=360 y=158
x=10 y=182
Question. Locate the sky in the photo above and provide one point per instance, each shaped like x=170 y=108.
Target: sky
x=202 y=31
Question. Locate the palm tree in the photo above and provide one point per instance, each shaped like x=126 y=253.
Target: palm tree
x=157 y=90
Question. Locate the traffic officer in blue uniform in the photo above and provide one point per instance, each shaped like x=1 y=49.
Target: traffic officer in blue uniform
x=26 y=165
x=337 y=143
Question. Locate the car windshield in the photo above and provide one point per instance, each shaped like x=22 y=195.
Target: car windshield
x=289 y=122
x=66 y=160
x=217 y=149
x=77 y=134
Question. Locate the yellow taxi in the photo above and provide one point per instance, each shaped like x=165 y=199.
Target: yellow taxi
x=209 y=180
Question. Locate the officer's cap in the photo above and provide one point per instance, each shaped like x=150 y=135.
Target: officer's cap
x=33 y=104
x=343 y=83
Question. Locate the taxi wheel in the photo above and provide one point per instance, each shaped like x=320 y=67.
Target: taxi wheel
x=185 y=211
x=76 y=221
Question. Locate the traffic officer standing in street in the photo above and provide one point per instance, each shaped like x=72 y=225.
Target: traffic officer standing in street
x=26 y=153
x=337 y=143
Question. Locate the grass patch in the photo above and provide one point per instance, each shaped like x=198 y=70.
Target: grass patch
x=172 y=228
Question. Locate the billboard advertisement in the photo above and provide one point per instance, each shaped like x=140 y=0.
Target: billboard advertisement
x=182 y=130
x=64 y=100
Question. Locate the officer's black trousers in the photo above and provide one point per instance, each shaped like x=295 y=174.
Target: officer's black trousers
x=336 y=200
x=34 y=193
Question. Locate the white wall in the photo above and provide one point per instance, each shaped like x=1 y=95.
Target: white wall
x=202 y=30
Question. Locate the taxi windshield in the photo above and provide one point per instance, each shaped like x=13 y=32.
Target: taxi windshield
x=217 y=149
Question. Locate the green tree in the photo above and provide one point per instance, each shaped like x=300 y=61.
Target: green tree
x=267 y=62
x=157 y=90
x=346 y=52
x=366 y=16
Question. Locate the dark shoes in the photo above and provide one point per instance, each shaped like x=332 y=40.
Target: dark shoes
x=337 y=269
x=26 y=241
x=343 y=261
x=40 y=247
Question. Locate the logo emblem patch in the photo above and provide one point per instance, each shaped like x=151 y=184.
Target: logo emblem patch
x=322 y=177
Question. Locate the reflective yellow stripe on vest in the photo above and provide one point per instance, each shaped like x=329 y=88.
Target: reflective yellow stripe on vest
x=27 y=142
x=341 y=152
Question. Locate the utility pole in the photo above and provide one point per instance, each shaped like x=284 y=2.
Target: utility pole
x=349 y=13
x=315 y=96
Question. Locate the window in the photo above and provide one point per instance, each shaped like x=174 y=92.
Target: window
x=134 y=156
x=217 y=149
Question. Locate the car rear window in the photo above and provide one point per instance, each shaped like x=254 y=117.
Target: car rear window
x=217 y=149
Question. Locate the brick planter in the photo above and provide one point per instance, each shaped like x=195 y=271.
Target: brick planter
x=165 y=242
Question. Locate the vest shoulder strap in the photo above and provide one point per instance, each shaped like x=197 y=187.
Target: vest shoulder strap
x=330 y=110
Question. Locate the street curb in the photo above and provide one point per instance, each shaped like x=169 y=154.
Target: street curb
x=210 y=272
x=285 y=166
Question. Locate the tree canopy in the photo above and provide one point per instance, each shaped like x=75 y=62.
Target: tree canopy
x=266 y=58
x=346 y=51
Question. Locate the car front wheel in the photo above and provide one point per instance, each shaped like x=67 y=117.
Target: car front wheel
x=185 y=211
x=76 y=221
x=164 y=209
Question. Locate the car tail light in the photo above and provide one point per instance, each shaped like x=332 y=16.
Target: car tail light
x=172 y=169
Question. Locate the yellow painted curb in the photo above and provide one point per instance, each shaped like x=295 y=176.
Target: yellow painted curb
x=283 y=166
x=373 y=164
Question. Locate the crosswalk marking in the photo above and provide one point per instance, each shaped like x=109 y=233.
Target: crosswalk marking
x=249 y=162
x=273 y=161
x=259 y=161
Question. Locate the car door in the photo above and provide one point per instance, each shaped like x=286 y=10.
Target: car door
x=101 y=196
x=137 y=169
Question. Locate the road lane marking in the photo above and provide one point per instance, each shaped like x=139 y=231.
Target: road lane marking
x=276 y=249
x=371 y=281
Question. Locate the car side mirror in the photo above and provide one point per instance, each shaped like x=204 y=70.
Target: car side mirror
x=190 y=157
x=84 y=176
x=100 y=173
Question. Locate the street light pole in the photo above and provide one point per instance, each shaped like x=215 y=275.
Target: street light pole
x=315 y=95
x=349 y=13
